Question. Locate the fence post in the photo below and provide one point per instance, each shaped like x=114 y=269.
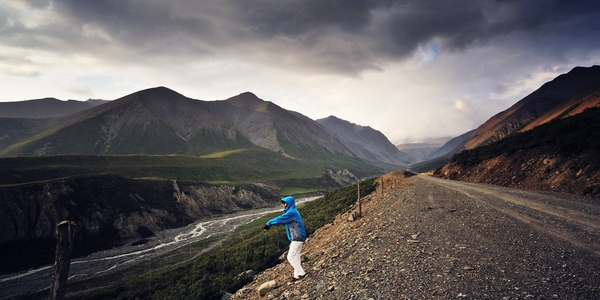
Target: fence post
x=359 y=200
x=65 y=233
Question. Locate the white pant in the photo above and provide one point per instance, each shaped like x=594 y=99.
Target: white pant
x=295 y=259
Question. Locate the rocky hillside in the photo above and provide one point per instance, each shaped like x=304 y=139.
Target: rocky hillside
x=424 y=238
x=560 y=156
x=272 y=127
x=567 y=95
x=108 y=210
x=368 y=143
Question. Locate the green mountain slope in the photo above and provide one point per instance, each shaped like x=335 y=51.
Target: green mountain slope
x=153 y=121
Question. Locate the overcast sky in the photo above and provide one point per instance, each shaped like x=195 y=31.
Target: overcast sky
x=410 y=69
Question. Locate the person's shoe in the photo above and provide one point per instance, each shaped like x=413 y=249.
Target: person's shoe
x=294 y=279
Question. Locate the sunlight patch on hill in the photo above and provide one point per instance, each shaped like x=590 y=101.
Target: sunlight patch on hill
x=222 y=154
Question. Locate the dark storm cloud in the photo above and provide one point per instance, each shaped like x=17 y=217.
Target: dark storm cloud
x=142 y=26
x=295 y=18
x=341 y=36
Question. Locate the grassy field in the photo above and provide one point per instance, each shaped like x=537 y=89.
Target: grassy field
x=232 y=167
x=227 y=167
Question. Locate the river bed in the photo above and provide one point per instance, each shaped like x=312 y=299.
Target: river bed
x=109 y=261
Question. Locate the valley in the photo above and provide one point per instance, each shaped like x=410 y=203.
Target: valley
x=108 y=262
x=162 y=173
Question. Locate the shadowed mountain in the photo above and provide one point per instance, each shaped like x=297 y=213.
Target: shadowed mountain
x=45 y=108
x=270 y=126
x=368 y=143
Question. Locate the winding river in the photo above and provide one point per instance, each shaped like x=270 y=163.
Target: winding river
x=109 y=261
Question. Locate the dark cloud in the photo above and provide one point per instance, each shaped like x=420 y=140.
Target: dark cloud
x=144 y=26
x=297 y=18
x=345 y=36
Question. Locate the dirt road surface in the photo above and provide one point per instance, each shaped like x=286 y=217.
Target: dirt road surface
x=428 y=238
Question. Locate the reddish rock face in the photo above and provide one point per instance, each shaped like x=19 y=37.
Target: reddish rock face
x=566 y=95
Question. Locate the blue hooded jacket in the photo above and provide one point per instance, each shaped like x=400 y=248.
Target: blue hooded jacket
x=292 y=220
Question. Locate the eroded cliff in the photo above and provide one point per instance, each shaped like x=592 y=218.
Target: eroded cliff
x=109 y=210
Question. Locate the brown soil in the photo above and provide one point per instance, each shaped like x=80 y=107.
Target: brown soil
x=428 y=238
x=533 y=169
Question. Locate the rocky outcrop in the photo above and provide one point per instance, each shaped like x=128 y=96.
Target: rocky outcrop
x=110 y=210
x=202 y=200
x=536 y=169
x=560 y=156
x=342 y=177
x=32 y=211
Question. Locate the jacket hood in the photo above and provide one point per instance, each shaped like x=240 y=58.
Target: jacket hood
x=290 y=203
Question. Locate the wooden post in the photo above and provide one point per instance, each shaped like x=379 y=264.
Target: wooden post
x=359 y=201
x=65 y=233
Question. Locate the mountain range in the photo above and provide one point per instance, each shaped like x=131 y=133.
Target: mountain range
x=160 y=121
x=424 y=149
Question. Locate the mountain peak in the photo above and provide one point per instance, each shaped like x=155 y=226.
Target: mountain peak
x=155 y=95
x=248 y=95
x=249 y=100
x=159 y=91
x=335 y=120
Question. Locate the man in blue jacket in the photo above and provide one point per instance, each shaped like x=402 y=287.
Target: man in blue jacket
x=295 y=232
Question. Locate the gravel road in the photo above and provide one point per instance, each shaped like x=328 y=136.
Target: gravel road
x=428 y=238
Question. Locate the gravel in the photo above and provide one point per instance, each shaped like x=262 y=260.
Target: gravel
x=427 y=238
